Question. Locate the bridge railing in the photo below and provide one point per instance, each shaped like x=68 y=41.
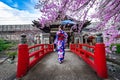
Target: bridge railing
x=35 y=56
x=82 y=51
x=94 y=56
x=29 y=56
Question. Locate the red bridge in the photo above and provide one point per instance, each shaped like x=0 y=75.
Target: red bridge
x=39 y=62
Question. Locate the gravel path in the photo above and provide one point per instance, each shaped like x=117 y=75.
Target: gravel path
x=113 y=71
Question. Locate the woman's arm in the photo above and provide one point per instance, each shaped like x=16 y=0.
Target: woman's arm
x=56 y=39
x=66 y=36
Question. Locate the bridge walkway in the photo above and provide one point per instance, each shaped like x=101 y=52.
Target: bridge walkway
x=73 y=68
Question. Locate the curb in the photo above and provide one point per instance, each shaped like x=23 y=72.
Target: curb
x=113 y=60
x=4 y=60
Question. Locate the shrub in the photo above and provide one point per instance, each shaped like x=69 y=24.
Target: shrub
x=117 y=47
x=4 y=44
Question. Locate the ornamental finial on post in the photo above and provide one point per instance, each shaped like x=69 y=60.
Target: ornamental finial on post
x=23 y=38
x=99 y=38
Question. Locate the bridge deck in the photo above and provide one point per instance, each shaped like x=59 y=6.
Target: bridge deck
x=73 y=68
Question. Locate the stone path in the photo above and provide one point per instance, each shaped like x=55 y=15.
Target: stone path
x=73 y=68
x=7 y=71
x=7 y=67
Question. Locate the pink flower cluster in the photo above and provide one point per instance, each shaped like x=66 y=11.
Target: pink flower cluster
x=107 y=12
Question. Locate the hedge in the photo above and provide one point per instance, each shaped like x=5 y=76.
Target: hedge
x=4 y=45
x=117 y=47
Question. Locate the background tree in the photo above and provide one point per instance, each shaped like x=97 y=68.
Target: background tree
x=106 y=11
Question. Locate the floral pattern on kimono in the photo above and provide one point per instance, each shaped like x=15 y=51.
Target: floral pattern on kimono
x=60 y=41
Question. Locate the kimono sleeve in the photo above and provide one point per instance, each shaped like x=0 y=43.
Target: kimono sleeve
x=66 y=36
x=56 y=39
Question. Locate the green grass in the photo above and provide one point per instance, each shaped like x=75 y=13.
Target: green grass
x=5 y=45
x=10 y=54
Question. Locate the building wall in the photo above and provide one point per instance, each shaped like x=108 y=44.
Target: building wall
x=13 y=32
x=16 y=27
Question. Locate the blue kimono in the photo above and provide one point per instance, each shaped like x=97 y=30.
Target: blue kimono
x=60 y=41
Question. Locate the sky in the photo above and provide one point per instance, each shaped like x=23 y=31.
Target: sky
x=18 y=11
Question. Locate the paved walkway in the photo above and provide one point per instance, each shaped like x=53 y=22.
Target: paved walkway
x=7 y=70
x=73 y=68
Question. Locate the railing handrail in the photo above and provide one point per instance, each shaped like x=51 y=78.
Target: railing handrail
x=37 y=45
x=99 y=53
x=24 y=62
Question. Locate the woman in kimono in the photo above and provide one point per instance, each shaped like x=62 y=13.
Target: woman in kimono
x=60 y=41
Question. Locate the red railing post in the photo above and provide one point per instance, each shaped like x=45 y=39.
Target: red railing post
x=75 y=48
x=80 y=47
x=23 y=58
x=48 y=48
x=51 y=47
x=72 y=47
x=100 y=58
x=42 y=48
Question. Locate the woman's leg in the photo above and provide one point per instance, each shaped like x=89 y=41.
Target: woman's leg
x=60 y=48
x=60 y=56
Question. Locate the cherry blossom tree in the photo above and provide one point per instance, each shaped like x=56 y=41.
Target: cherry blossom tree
x=109 y=15
x=58 y=9
x=106 y=11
